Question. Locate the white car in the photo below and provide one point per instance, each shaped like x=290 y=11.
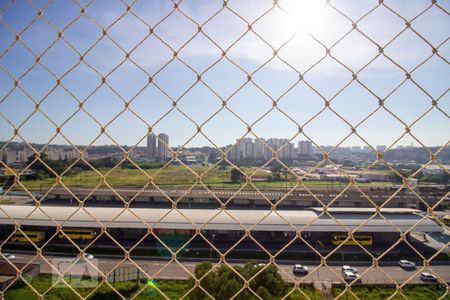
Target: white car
x=350 y=269
x=406 y=264
x=350 y=276
x=87 y=256
x=9 y=256
x=300 y=270
x=259 y=265
x=428 y=277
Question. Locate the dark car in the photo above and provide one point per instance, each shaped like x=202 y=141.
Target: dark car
x=300 y=270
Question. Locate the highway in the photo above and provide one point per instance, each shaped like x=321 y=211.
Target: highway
x=180 y=270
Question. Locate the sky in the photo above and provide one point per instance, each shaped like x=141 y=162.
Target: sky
x=299 y=32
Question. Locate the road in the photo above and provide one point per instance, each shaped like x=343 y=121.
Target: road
x=176 y=270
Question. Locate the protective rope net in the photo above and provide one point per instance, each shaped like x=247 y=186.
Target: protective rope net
x=137 y=45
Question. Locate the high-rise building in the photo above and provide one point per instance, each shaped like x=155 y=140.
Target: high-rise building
x=163 y=146
x=274 y=145
x=151 y=147
x=259 y=148
x=243 y=148
x=246 y=148
x=290 y=150
x=249 y=147
x=304 y=148
x=286 y=149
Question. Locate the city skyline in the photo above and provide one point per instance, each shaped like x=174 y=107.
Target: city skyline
x=174 y=146
x=159 y=148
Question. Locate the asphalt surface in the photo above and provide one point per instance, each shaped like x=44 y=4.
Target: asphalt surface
x=183 y=270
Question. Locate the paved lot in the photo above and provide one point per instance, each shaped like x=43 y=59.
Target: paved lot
x=19 y=200
x=174 y=270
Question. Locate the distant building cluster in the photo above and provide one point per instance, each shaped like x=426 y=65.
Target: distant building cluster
x=248 y=148
x=157 y=147
x=21 y=156
x=245 y=151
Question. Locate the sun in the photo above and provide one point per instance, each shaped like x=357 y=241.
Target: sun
x=303 y=15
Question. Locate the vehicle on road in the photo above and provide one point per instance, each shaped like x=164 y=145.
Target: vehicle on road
x=406 y=264
x=87 y=256
x=9 y=256
x=365 y=240
x=350 y=269
x=428 y=277
x=259 y=265
x=300 y=270
x=26 y=236
x=77 y=234
x=350 y=276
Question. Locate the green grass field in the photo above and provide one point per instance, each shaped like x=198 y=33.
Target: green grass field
x=178 y=176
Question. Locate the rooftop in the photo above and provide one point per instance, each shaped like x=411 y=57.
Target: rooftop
x=215 y=219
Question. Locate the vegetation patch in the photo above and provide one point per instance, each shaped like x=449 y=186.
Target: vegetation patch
x=221 y=282
x=379 y=292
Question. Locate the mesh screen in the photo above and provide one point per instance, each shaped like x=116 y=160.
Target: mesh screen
x=248 y=80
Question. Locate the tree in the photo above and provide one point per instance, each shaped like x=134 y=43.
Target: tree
x=230 y=289
x=208 y=283
x=277 y=170
x=223 y=165
x=263 y=292
x=236 y=175
x=224 y=282
x=213 y=157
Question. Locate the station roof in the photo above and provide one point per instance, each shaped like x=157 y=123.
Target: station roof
x=214 y=219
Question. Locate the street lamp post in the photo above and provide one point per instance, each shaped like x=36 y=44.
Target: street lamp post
x=212 y=242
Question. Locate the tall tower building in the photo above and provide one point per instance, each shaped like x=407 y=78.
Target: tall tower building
x=151 y=147
x=258 y=149
x=285 y=149
x=304 y=148
x=163 y=146
x=249 y=147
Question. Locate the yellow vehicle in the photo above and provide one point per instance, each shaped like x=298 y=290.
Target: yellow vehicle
x=34 y=236
x=365 y=240
x=77 y=234
x=446 y=220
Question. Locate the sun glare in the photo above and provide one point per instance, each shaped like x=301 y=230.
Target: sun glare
x=303 y=15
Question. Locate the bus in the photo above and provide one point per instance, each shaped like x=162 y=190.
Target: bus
x=77 y=234
x=365 y=240
x=34 y=236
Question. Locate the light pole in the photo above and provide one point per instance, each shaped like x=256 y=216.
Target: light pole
x=286 y=180
x=212 y=242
